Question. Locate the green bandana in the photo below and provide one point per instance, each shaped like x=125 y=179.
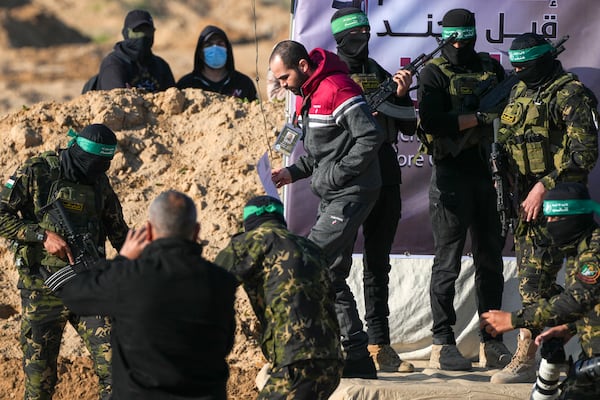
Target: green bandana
x=570 y=207
x=270 y=208
x=529 y=54
x=348 y=22
x=463 y=32
x=89 y=146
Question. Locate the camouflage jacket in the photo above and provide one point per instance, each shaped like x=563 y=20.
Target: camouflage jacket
x=286 y=279
x=27 y=191
x=579 y=302
x=550 y=133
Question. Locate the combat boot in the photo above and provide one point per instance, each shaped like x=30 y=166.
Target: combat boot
x=522 y=367
x=387 y=360
x=493 y=354
x=359 y=368
x=447 y=357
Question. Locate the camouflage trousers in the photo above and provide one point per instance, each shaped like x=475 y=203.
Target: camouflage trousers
x=538 y=264
x=303 y=380
x=43 y=322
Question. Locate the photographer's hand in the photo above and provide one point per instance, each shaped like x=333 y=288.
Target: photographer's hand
x=560 y=331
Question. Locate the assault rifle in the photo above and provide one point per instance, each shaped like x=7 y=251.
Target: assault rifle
x=377 y=100
x=492 y=99
x=82 y=246
x=504 y=198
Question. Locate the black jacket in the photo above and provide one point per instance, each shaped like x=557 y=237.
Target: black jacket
x=234 y=84
x=119 y=70
x=173 y=320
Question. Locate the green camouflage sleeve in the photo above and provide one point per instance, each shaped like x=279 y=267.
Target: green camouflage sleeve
x=577 y=300
x=575 y=109
x=113 y=220
x=17 y=221
x=240 y=256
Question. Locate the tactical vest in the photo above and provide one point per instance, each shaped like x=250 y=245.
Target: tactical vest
x=369 y=81
x=464 y=90
x=535 y=142
x=81 y=203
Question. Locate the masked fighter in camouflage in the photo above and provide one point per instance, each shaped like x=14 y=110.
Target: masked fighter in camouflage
x=572 y=229
x=77 y=178
x=286 y=279
x=549 y=129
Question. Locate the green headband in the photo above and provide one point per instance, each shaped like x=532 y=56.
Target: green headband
x=529 y=54
x=348 y=22
x=570 y=207
x=463 y=32
x=270 y=208
x=89 y=146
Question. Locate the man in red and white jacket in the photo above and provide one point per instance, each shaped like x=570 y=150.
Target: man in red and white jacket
x=341 y=139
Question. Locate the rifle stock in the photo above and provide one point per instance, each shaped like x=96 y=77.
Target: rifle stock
x=504 y=199
x=388 y=87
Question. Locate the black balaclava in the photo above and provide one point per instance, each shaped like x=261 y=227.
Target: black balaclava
x=261 y=209
x=353 y=49
x=539 y=70
x=89 y=154
x=460 y=18
x=569 y=229
x=138 y=45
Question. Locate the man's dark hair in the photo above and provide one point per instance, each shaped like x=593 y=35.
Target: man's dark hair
x=290 y=52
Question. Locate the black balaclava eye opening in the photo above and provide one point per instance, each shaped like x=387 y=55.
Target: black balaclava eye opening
x=79 y=165
x=137 y=44
x=569 y=229
x=353 y=48
x=261 y=209
x=460 y=18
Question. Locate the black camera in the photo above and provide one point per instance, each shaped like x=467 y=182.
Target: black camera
x=587 y=370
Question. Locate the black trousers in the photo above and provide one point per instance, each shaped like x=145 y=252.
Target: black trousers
x=460 y=202
x=379 y=230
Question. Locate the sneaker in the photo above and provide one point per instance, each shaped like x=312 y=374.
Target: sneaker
x=522 y=367
x=359 y=368
x=447 y=356
x=387 y=360
x=493 y=354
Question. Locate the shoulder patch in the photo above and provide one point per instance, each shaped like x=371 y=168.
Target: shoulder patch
x=10 y=182
x=588 y=273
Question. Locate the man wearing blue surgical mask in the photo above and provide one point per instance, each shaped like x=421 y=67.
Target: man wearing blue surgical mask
x=132 y=64
x=214 y=68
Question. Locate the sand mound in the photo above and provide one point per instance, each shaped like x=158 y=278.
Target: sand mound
x=203 y=144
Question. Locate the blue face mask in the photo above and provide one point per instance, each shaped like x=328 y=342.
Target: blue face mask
x=215 y=56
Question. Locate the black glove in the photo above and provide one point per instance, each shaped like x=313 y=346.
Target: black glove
x=485 y=118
